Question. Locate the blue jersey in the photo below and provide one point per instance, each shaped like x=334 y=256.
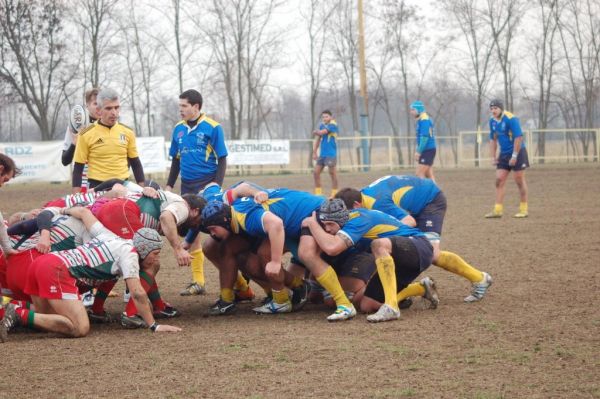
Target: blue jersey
x=291 y=206
x=366 y=225
x=506 y=130
x=328 y=143
x=399 y=196
x=198 y=148
x=425 y=136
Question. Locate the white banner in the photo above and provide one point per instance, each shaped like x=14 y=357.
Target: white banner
x=152 y=154
x=38 y=161
x=258 y=152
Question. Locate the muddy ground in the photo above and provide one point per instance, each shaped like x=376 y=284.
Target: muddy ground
x=536 y=335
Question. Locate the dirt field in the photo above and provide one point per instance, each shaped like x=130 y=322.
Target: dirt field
x=536 y=335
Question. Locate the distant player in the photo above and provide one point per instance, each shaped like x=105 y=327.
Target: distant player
x=326 y=138
x=426 y=150
x=80 y=119
x=505 y=129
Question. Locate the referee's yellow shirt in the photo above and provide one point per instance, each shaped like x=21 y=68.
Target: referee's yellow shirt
x=106 y=151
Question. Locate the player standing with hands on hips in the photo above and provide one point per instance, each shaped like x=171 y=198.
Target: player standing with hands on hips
x=505 y=130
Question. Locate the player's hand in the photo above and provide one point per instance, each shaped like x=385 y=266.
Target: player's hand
x=495 y=161
x=261 y=197
x=168 y=188
x=8 y=252
x=149 y=192
x=315 y=156
x=35 y=212
x=273 y=269
x=166 y=328
x=43 y=245
x=183 y=257
x=186 y=245
x=307 y=222
x=417 y=156
x=512 y=162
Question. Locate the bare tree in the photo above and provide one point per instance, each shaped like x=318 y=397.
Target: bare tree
x=94 y=20
x=579 y=29
x=480 y=45
x=345 y=51
x=31 y=59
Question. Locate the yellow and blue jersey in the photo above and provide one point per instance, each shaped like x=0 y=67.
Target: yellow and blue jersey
x=506 y=130
x=399 y=196
x=291 y=206
x=198 y=148
x=425 y=133
x=328 y=140
x=364 y=226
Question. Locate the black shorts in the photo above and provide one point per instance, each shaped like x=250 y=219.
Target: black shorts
x=352 y=263
x=327 y=161
x=194 y=186
x=431 y=218
x=412 y=255
x=521 y=164
x=427 y=157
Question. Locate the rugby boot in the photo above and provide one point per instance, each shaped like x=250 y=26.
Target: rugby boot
x=385 y=313
x=273 y=307
x=193 y=289
x=221 y=308
x=430 y=292
x=9 y=321
x=342 y=312
x=480 y=289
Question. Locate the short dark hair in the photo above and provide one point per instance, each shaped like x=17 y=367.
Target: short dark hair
x=193 y=96
x=194 y=201
x=349 y=196
x=8 y=165
x=328 y=112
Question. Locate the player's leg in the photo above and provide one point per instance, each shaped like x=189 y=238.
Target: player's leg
x=519 y=177
x=197 y=286
x=310 y=256
x=386 y=270
x=317 y=176
x=333 y=174
x=281 y=302
x=501 y=175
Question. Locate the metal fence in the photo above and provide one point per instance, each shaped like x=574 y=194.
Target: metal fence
x=390 y=152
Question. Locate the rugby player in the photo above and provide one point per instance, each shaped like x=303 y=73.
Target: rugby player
x=326 y=138
x=426 y=149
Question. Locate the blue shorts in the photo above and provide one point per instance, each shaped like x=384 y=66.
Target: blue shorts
x=412 y=256
x=194 y=186
x=521 y=164
x=431 y=218
x=327 y=161
x=427 y=157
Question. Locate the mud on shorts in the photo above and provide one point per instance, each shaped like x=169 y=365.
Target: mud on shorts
x=352 y=263
x=521 y=164
x=49 y=278
x=427 y=157
x=327 y=161
x=194 y=186
x=412 y=255
x=431 y=219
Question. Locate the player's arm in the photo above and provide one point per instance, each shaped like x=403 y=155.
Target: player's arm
x=77 y=177
x=168 y=225
x=244 y=189
x=330 y=244
x=173 y=173
x=138 y=170
x=422 y=138
x=142 y=303
x=4 y=240
x=273 y=226
x=44 y=224
x=316 y=145
x=79 y=160
x=85 y=215
x=67 y=155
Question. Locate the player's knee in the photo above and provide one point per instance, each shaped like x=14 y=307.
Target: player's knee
x=499 y=182
x=368 y=305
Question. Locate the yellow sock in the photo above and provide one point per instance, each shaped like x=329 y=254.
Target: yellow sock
x=296 y=282
x=523 y=207
x=240 y=284
x=387 y=274
x=333 y=192
x=318 y=191
x=457 y=265
x=227 y=294
x=5 y=299
x=498 y=208
x=198 y=266
x=413 y=289
x=329 y=281
x=281 y=296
